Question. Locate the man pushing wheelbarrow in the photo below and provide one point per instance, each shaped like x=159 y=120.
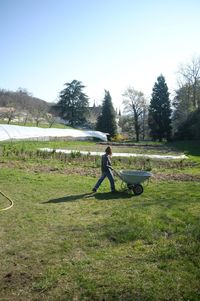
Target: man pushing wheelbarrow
x=106 y=170
x=131 y=178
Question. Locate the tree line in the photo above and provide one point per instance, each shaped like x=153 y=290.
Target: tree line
x=73 y=106
x=160 y=118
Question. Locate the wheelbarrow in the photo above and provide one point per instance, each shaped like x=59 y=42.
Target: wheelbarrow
x=132 y=179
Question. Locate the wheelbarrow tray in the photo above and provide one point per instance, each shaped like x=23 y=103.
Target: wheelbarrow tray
x=134 y=176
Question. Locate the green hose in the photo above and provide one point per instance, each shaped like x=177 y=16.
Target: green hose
x=9 y=199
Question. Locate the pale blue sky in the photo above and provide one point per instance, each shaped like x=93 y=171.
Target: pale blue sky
x=106 y=44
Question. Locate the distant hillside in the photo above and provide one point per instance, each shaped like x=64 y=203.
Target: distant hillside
x=21 y=100
x=21 y=106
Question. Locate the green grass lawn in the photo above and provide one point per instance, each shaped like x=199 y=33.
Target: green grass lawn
x=61 y=243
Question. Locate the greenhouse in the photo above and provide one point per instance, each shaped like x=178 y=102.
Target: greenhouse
x=15 y=132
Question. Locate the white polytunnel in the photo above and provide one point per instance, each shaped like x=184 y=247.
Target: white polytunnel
x=16 y=132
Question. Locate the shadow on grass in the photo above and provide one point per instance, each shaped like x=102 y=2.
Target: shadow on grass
x=69 y=198
x=113 y=196
x=97 y=196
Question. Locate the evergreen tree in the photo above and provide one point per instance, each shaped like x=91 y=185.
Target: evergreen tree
x=73 y=104
x=106 y=121
x=160 y=111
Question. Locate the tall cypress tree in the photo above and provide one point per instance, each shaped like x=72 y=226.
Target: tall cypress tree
x=160 y=111
x=106 y=122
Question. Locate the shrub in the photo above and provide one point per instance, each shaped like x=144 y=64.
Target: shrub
x=118 y=138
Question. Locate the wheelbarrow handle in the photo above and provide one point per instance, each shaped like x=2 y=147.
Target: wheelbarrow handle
x=117 y=173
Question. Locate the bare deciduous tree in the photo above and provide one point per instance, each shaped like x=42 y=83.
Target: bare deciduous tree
x=9 y=114
x=189 y=76
x=50 y=119
x=135 y=106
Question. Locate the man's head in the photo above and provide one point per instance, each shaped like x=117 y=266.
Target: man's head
x=108 y=150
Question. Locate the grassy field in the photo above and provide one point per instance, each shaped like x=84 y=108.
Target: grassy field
x=61 y=243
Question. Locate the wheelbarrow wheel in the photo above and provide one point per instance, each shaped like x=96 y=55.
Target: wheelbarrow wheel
x=137 y=189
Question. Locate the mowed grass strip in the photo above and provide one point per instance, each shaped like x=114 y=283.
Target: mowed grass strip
x=59 y=242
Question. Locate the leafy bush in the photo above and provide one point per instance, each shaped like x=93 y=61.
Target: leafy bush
x=190 y=129
x=118 y=138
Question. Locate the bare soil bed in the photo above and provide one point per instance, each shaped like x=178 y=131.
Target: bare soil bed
x=93 y=172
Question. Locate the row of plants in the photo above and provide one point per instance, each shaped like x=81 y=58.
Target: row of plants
x=21 y=153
